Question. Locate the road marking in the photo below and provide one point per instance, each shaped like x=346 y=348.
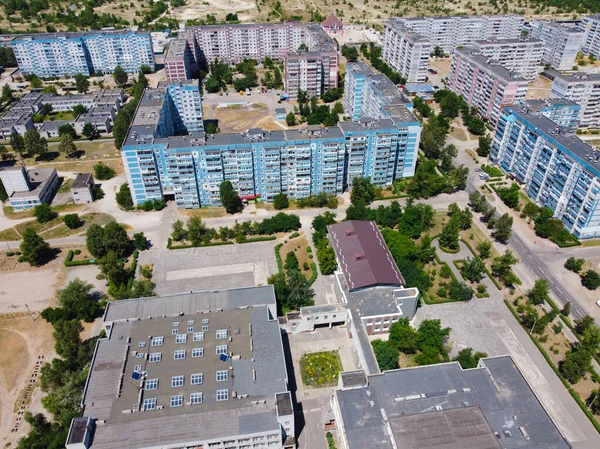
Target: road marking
x=578 y=313
x=221 y=270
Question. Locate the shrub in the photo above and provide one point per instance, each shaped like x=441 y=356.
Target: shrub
x=10 y=253
x=43 y=213
x=72 y=221
x=103 y=171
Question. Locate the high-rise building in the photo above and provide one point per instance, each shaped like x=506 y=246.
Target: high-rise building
x=583 y=89
x=187 y=100
x=68 y=54
x=591 y=40
x=485 y=86
x=300 y=163
x=558 y=170
x=562 y=42
x=212 y=374
x=563 y=112
x=450 y=32
x=406 y=51
x=520 y=56
x=178 y=65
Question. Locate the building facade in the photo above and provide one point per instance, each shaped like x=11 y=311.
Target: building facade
x=591 y=40
x=562 y=42
x=450 y=32
x=487 y=87
x=520 y=56
x=405 y=51
x=583 y=89
x=563 y=112
x=82 y=188
x=178 y=65
x=557 y=169
x=29 y=188
x=68 y=54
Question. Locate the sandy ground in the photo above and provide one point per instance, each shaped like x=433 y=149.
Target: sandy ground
x=19 y=390
x=39 y=291
x=539 y=89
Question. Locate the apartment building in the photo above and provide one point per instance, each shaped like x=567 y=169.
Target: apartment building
x=583 y=89
x=522 y=56
x=296 y=162
x=406 y=51
x=562 y=42
x=484 y=85
x=67 y=54
x=563 y=112
x=450 y=32
x=557 y=169
x=187 y=100
x=178 y=65
x=591 y=40
x=190 y=370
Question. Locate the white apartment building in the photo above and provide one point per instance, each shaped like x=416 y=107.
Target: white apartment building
x=562 y=42
x=521 y=56
x=591 y=41
x=405 y=51
x=450 y=32
x=486 y=86
x=583 y=89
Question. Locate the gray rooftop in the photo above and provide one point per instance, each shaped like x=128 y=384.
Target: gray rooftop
x=38 y=177
x=501 y=42
x=578 y=77
x=583 y=152
x=487 y=65
x=400 y=27
x=538 y=105
x=82 y=180
x=497 y=387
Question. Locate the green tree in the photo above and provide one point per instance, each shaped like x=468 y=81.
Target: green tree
x=584 y=324
x=590 y=280
x=67 y=339
x=428 y=356
x=179 y=231
x=277 y=80
x=468 y=359
x=7 y=93
x=485 y=249
x=566 y=310
x=386 y=355
x=78 y=110
x=197 y=231
x=575 y=265
x=103 y=172
x=67 y=128
x=34 y=143
x=291 y=262
x=540 y=293
x=503 y=228
x=111 y=269
x=472 y=269
x=90 y=131
x=82 y=83
x=432 y=335
x=143 y=288
x=290 y=119
x=230 y=198
x=362 y=189
x=35 y=83
x=17 y=142
x=485 y=146
x=531 y=210
x=459 y=291
x=449 y=236
x=280 y=201
x=77 y=301
x=575 y=365
x=326 y=257
x=115 y=239
x=43 y=213
x=404 y=337
x=124 y=198
x=67 y=145
x=95 y=240
x=300 y=292
x=72 y=221
x=509 y=195
x=120 y=76
x=501 y=268
x=338 y=108
x=140 y=242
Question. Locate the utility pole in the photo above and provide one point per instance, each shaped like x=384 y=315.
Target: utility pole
x=29 y=311
x=534 y=323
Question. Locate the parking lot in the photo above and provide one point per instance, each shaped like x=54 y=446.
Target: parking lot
x=214 y=267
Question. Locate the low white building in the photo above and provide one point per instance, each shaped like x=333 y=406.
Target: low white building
x=27 y=189
x=82 y=188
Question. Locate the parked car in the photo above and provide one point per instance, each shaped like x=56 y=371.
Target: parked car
x=483 y=176
x=598 y=303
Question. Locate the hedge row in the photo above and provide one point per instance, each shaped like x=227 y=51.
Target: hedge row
x=448 y=250
x=170 y=244
x=259 y=239
x=69 y=262
x=313 y=276
x=487 y=271
x=278 y=257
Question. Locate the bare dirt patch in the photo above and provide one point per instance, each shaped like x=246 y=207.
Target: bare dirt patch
x=298 y=245
x=238 y=119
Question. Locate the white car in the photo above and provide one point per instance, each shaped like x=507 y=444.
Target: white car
x=598 y=303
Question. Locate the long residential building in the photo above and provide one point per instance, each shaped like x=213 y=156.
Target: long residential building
x=484 y=85
x=558 y=170
x=521 y=56
x=406 y=51
x=67 y=54
x=160 y=161
x=450 y=32
x=583 y=89
x=190 y=370
x=591 y=40
x=562 y=42
x=563 y=112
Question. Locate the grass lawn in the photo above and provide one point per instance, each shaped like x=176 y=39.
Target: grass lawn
x=590 y=243
x=37 y=226
x=65 y=187
x=206 y=212
x=298 y=245
x=63 y=115
x=320 y=369
x=9 y=235
x=494 y=172
x=88 y=219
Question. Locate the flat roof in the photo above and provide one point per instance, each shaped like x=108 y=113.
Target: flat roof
x=363 y=255
x=497 y=387
x=38 y=177
x=82 y=180
x=489 y=66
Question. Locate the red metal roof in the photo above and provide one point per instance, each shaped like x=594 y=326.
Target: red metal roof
x=331 y=21
x=363 y=255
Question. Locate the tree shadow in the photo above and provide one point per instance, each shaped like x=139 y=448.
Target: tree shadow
x=292 y=384
x=76 y=155
x=48 y=156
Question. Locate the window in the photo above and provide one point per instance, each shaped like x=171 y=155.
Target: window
x=204 y=328
x=157 y=341
x=141 y=344
x=221 y=349
x=221 y=333
x=177 y=381
x=155 y=357
x=198 y=336
x=196 y=398
x=176 y=324
x=137 y=368
x=222 y=375
x=140 y=355
x=190 y=322
x=150 y=404
x=197 y=352
x=174 y=331
x=151 y=384
x=181 y=338
x=180 y=354
x=177 y=401
x=222 y=395
x=190 y=330
x=196 y=379
x=205 y=321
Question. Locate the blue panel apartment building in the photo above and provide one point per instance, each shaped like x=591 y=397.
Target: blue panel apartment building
x=67 y=54
x=558 y=170
x=164 y=159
